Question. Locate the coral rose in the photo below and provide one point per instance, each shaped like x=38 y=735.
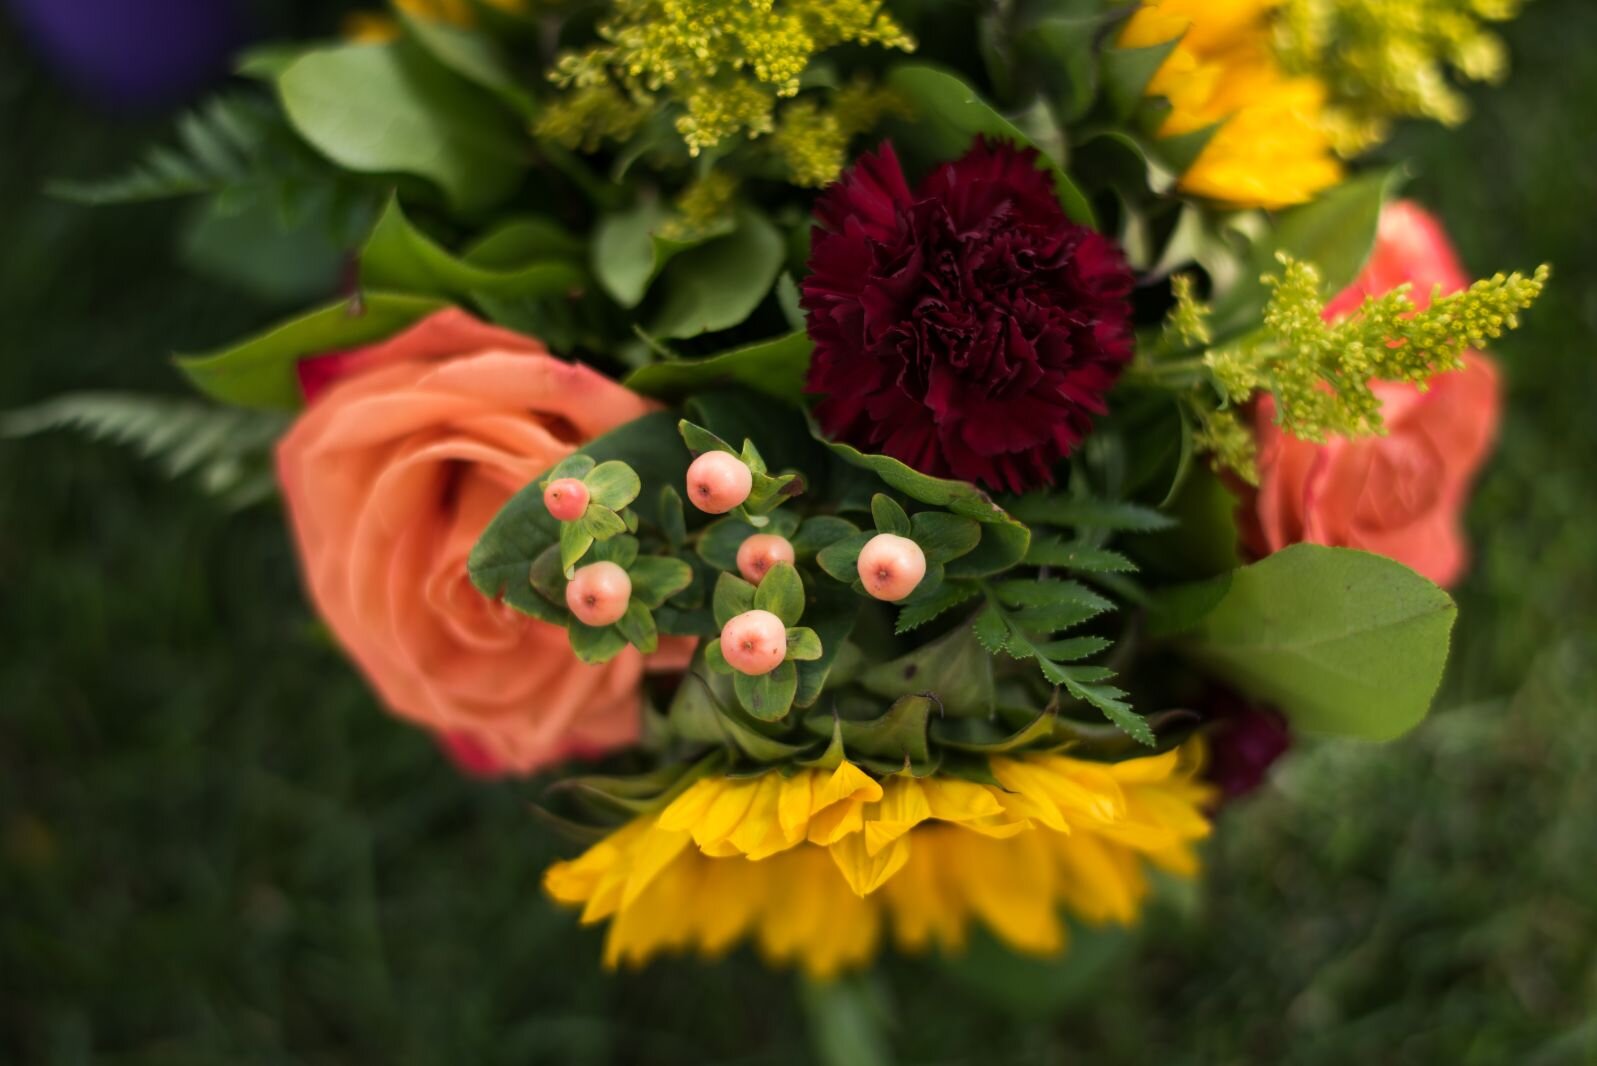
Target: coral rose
x=406 y=451
x=1401 y=495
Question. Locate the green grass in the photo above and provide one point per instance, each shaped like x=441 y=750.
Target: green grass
x=214 y=849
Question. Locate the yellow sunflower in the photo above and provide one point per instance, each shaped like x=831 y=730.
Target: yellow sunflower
x=814 y=866
x=1272 y=148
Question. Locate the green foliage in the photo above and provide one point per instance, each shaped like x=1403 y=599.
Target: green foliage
x=775 y=368
x=524 y=258
x=631 y=248
x=391 y=108
x=240 y=149
x=716 y=285
x=1342 y=641
x=948 y=115
x=228 y=450
x=259 y=371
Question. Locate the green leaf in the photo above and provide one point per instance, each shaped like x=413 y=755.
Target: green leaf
x=1053 y=617
x=804 y=645
x=1342 y=641
x=733 y=596
x=628 y=253
x=473 y=55
x=673 y=518
x=595 y=644
x=950 y=115
x=1335 y=231
x=1126 y=73
x=400 y=257
x=900 y=733
x=700 y=440
x=1072 y=648
x=226 y=449
x=781 y=591
x=574 y=465
x=388 y=108
x=943 y=537
x=656 y=578
x=575 y=540
x=613 y=484
x=848 y=1021
x=717 y=285
x=775 y=368
x=548 y=576
x=955 y=669
x=820 y=532
x=889 y=516
x=259 y=371
x=960 y=497
x=840 y=559
x=1022 y=592
x=623 y=551
x=981 y=735
x=991 y=630
x=705 y=710
x=503 y=556
x=832 y=613
x=946 y=598
x=1072 y=555
x=1045 y=509
x=637 y=625
x=770 y=696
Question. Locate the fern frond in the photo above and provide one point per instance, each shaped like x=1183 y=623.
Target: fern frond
x=226 y=448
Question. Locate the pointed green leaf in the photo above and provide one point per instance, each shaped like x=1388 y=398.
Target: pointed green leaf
x=637 y=626
x=769 y=696
x=575 y=540
x=889 y=516
x=776 y=368
x=945 y=599
x=781 y=591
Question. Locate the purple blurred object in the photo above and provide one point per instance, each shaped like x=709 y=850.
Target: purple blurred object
x=1244 y=742
x=130 y=54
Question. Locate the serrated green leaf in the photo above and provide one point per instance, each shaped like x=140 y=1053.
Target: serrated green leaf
x=1107 y=699
x=733 y=596
x=991 y=630
x=945 y=599
x=803 y=645
x=1042 y=592
x=1072 y=648
x=889 y=516
x=768 y=697
x=1074 y=555
x=1053 y=617
x=781 y=591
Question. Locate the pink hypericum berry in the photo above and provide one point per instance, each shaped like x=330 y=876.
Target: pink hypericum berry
x=754 y=643
x=759 y=553
x=718 y=482
x=566 y=498
x=598 y=594
x=891 y=566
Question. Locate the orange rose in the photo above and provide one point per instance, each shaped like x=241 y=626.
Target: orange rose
x=407 y=449
x=1401 y=495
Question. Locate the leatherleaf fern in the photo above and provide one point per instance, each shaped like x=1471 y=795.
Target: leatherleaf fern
x=1004 y=644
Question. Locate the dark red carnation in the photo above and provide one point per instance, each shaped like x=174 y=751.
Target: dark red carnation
x=969 y=328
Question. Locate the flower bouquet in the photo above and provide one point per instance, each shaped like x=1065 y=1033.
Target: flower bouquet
x=921 y=454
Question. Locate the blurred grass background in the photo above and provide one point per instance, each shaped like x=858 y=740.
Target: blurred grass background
x=214 y=849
